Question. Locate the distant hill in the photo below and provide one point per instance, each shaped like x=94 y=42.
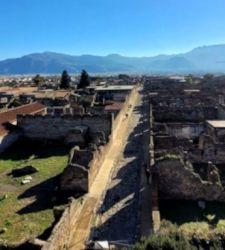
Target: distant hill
x=201 y=59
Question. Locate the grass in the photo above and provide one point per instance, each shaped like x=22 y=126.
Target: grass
x=191 y=236
x=27 y=212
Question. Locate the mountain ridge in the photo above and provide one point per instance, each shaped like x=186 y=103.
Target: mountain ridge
x=201 y=59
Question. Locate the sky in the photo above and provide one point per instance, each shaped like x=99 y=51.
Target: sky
x=101 y=27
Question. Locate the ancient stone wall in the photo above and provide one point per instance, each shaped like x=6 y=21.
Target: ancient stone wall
x=62 y=231
x=56 y=128
x=184 y=130
x=122 y=114
x=177 y=181
x=168 y=114
x=221 y=112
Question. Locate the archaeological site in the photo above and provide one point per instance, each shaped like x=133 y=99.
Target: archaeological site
x=125 y=162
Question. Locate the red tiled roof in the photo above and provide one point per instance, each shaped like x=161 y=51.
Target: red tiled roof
x=10 y=115
x=114 y=106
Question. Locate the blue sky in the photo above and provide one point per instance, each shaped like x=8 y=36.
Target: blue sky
x=101 y=27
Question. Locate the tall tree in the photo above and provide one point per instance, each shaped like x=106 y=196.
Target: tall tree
x=84 y=80
x=38 y=79
x=208 y=77
x=65 y=80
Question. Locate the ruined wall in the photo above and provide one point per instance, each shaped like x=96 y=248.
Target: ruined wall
x=176 y=181
x=126 y=108
x=57 y=128
x=100 y=154
x=168 y=114
x=189 y=130
x=74 y=179
x=62 y=231
x=213 y=151
x=221 y=112
x=96 y=163
x=84 y=164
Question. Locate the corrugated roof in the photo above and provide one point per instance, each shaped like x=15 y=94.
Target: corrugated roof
x=10 y=115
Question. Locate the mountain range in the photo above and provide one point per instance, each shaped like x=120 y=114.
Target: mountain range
x=199 y=60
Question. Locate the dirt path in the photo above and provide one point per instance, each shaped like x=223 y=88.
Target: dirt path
x=91 y=202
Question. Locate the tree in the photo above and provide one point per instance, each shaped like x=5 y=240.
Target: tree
x=38 y=79
x=84 y=80
x=65 y=80
x=208 y=77
x=189 y=79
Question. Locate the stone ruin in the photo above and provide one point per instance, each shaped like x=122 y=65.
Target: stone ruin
x=177 y=180
x=187 y=150
x=74 y=178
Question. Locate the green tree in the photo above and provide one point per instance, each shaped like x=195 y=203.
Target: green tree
x=189 y=79
x=208 y=77
x=84 y=80
x=65 y=80
x=38 y=79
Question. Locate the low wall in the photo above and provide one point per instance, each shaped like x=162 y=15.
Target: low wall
x=99 y=156
x=62 y=231
x=155 y=204
x=122 y=114
x=154 y=178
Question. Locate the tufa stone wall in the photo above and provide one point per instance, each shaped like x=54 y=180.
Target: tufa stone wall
x=178 y=181
x=169 y=114
x=57 y=128
x=62 y=231
x=84 y=164
x=65 y=227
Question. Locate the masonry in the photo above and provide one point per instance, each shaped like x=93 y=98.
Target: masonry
x=92 y=162
x=57 y=128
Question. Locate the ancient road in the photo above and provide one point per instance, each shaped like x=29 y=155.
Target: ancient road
x=88 y=213
x=125 y=213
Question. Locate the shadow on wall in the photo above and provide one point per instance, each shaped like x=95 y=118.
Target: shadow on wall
x=24 y=149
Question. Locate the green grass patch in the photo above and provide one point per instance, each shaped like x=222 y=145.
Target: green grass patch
x=26 y=211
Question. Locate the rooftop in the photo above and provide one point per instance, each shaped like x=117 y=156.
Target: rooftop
x=114 y=106
x=216 y=123
x=192 y=90
x=114 y=87
x=52 y=94
x=10 y=115
x=17 y=90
